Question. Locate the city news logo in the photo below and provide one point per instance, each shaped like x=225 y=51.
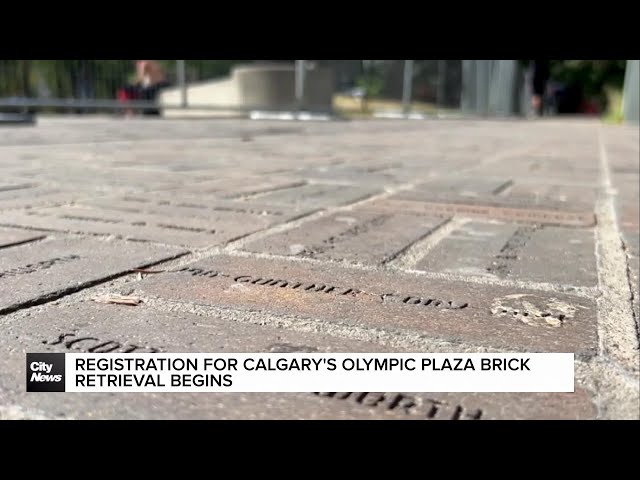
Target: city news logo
x=45 y=372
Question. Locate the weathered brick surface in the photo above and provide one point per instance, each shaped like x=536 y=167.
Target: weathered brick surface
x=358 y=236
x=508 y=318
x=92 y=327
x=480 y=233
x=200 y=224
x=520 y=252
x=52 y=266
x=11 y=237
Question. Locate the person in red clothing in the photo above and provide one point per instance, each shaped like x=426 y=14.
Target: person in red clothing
x=150 y=79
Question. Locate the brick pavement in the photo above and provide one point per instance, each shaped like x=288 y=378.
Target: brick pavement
x=379 y=236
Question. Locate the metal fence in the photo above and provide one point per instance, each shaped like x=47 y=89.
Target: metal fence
x=381 y=88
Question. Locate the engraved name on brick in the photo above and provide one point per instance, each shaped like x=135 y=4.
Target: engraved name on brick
x=93 y=219
x=425 y=408
x=511 y=250
x=33 y=267
x=549 y=217
x=534 y=310
x=70 y=341
x=358 y=229
x=323 y=288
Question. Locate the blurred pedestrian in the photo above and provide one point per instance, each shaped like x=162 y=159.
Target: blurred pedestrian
x=150 y=79
x=541 y=74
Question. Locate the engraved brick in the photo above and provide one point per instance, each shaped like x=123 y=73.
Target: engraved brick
x=503 y=192
x=236 y=186
x=92 y=327
x=181 y=206
x=54 y=266
x=182 y=226
x=522 y=252
x=34 y=195
x=357 y=236
x=486 y=210
x=319 y=195
x=447 y=186
x=503 y=317
x=543 y=194
x=562 y=167
x=107 y=180
x=369 y=173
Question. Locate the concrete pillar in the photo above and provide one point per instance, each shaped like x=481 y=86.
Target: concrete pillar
x=483 y=81
x=407 y=84
x=468 y=94
x=631 y=98
x=504 y=86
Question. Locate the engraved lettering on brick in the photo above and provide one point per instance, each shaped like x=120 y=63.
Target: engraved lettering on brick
x=70 y=344
x=130 y=349
x=33 y=267
x=60 y=338
x=101 y=347
x=199 y=272
x=290 y=348
x=404 y=403
x=341 y=395
x=350 y=232
x=425 y=408
x=475 y=414
x=210 y=273
x=249 y=211
x=194 y=271
x=442 y=410
x=105 y=347
x=412 y=300
x=502 y=189
x=136 y=199
x=319 y=288
x=373 y=399
x=88 y=219
x=351 y=291
x=433 y=408
x=8 y=188
x=186 y=229
x=434 y=302
x=536 y=216
x=312 y=287
x=125 y=209
x=535 y=311
x=360 y=397
x=511 y=250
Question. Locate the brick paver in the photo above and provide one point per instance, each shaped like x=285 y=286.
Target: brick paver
x=363 y=236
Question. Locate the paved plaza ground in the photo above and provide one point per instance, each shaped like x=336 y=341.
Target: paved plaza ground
x=365 y=236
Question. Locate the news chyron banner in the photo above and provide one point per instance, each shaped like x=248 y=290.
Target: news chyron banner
x=299 y=372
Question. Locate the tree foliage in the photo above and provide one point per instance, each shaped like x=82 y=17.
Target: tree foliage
x=591 y=75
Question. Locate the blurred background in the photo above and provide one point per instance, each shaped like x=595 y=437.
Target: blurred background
x=347 y=88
